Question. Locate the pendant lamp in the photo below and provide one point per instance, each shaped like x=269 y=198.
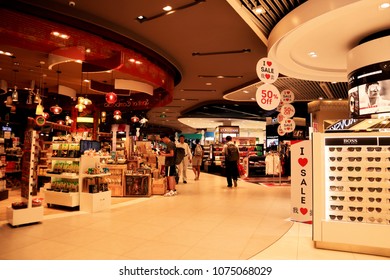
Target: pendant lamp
x=134 y=119
x=15 y=95
x=39 y=110
x=8 y=101
x=56 y=109
x=117 y=114
x=111 y=97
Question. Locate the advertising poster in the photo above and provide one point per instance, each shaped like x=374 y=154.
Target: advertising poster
x=301 y=181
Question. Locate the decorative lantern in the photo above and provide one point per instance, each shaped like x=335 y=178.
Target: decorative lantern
x=39 y=110
x=117 y=114
x=111 y=97
x=56 y=109
x=8 y=102
x=80 y=107
x=134 y=119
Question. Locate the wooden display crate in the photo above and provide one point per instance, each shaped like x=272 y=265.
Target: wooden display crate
x=159 y=186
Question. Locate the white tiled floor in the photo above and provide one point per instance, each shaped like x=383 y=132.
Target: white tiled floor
x=206 y=221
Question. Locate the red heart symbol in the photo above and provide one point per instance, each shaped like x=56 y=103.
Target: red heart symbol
x=303 y=211
x=267 y=76
x=269 y=63
x=302 y=161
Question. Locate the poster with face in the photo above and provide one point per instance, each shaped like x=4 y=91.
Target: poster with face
x=370 y=98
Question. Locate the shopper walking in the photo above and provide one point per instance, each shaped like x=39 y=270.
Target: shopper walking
x=197 y=159
x=183 y=165
x=170 y=166
x=232 y=158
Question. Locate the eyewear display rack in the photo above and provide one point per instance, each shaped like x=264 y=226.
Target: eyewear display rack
x=351 y=192
x=30 y=214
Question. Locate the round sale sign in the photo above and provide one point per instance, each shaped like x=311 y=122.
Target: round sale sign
x=267 y=71
x=281 y=132
x=287 y=96
x=268 y=97
x=280 y=117
x=288 y=125
x=287 y=110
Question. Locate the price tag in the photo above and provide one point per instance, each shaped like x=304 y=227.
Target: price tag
x=288 y=125
x=267 y=71
x=281 y=132
x=287 y=96
x=268 y=97
x=287 y=110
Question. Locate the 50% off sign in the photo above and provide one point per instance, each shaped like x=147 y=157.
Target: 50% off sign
x=268 y=97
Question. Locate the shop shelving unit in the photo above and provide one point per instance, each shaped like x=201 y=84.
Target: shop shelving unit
x=351 y=192
x=116 y=181
x=30 y=214
x=64 y=189
x=3 y=181
x=91 y=201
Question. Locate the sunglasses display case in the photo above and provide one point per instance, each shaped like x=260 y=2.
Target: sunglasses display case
x=351 y=192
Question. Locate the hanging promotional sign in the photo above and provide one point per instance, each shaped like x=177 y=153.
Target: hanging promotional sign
x=288 y=125
x=280 y=117
x=287 y=110
x=287 y=96
x=301 y=181
x=281 y=132
x=268 y=97
x=267 y=71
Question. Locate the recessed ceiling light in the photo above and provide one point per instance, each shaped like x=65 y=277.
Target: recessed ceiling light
x=384 y=5
x=312 y=54
x=209 y=84
x=167 y=8
x=320 y=98
x=259 y=10
x=245 y=91
x=6 y=53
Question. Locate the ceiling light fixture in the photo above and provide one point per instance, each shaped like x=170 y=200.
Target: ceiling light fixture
x=259 y=10
x=6 y=53
x=60 y=35
x=221 y=52
x=313 y=54
x=111 y=97
x=220 y=76
x=117 y=114
x=168 y=10
x=134 y=119
x=384 y=5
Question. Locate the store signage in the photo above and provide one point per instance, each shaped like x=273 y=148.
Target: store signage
x=267 y=71
x=288 y=110
x=288 y=125
x=229 y=129
x=40 y=120
x=350 y=141
x=343 y=124
x=301 y=181
x=287 y=96
x=128 y=103
x=268 y=97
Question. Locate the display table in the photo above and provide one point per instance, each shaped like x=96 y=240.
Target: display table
x=138 y=185
x=116 y=182
x=95 y=202
x=24 y=216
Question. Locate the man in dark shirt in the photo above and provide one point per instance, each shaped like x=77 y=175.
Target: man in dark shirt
x=170 y=166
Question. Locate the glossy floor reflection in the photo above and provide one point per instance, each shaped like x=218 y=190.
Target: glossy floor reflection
x=205 y=221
